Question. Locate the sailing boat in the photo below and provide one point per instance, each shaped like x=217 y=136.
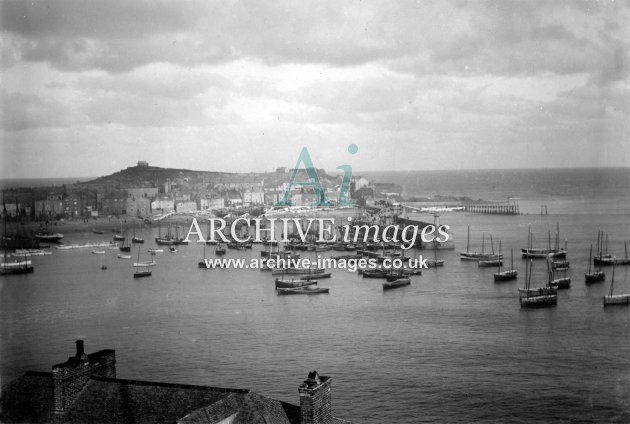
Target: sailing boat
x=541 y=253
x=220 y=249
x=536 y=298
x=596 y=276
x=14 y=266
x=124 y=246
x=144 y=273
x=119 y=236
x=615 y=299
x=625 y=260
x=203 y=263
x=435 y=262
x=476 y=256
x=602 y=258
x=496 y=260
x=508 y=274
x=136 y=239
x=558 y=283
x=103 y=267
x=534 y=291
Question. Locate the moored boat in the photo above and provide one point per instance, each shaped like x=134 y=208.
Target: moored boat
x=596 y=276
x=615 y=299
x=508 y=274
x=284 y=283
x=399 y=282
x=303 y=290
x=540 y=297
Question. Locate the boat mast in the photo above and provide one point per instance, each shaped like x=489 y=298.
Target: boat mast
x=467 y=240
x=500 y=261
x=590 y=258
x=612 y=280
x=482 y=241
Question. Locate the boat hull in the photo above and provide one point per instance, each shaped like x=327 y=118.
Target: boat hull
x=594 y=277
x=401 y=282
x=506 y=275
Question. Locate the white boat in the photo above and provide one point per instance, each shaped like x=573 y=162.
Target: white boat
x=123 y=256
x=144 y=264
x=98 y=252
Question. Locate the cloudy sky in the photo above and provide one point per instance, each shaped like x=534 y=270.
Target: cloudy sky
x=90 y=87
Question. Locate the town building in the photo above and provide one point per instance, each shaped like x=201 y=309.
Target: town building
x=86 y=389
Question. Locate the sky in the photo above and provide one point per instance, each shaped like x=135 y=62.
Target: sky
x=92 y=87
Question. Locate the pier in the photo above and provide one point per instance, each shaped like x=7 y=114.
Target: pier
x=493 y=208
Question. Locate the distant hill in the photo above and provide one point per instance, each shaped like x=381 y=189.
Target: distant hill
x=143 y=176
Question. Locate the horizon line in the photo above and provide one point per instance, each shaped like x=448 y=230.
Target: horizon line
x=328 y=172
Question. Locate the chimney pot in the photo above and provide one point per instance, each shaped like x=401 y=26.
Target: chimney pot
x=80 y=351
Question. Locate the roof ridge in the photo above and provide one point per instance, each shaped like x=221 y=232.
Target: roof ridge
x=171 y=385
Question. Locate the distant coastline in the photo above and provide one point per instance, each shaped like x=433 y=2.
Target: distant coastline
x=6 y=183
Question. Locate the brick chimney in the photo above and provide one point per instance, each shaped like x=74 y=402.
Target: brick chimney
x=70 y=377
x=315 y=399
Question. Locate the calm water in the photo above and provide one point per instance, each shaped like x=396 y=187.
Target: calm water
x=453 y=347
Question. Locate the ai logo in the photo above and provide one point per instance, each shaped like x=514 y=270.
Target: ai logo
x=313 y=180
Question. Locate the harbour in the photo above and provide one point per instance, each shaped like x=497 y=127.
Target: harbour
x=444 y=348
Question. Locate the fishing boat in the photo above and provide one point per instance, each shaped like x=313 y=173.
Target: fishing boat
x=528 y=290
x=558 y=283
x=374 y=273
x=626 y=259
x=560 y=264
x=476 y=256
x=310 y=277
x=285 y=284
x=541 y=253
x=204 y=262
x=98 y=252
x=139 y=274
x=101 y=264
x=119 y=256
x=144 y=273
x=135 y=238
x=298 y=271
x=602 y=257
x=596 y=276
x=536 y=298
x=172 y=249
x=615 y=299
x=303 y=290
x=508 y=274
x=45 y=234
x=124 y=246
x=14 y=267
x=220 y=249
x=119 y=236
x=399 y=282
x=435 y=262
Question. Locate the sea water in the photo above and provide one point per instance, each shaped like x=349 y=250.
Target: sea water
x=452 y=347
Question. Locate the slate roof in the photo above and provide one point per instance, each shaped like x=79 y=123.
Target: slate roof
x=29 y=399
x=245 y=408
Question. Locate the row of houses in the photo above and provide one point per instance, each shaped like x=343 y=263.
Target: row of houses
x=82 y=200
